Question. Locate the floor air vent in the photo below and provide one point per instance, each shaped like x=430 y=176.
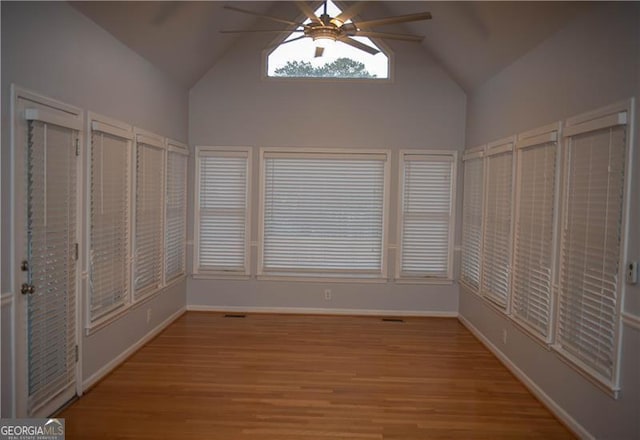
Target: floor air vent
x=228 y=315
x=392 y=320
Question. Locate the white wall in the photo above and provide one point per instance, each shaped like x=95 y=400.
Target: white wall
x=592 y=62
x=52 y=49
x=234 y=105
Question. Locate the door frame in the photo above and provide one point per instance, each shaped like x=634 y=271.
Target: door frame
x=18 y=241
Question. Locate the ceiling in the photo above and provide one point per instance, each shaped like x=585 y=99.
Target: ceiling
x=471 y=40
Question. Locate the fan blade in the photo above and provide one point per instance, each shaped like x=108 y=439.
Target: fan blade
x=287 y=41
x=308 y=11
x=404 y=37
x=319 y=52
x=350 y=12
x=359 y=45
x=269 y=17
x=393 y=20
x=272 y=31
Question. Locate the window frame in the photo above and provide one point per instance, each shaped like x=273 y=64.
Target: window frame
x=477 y=153
x=278 y=40
x=620 y=113
x=25 y=107
x=379 y=276
x=126 y=131
x=501 y=146
x=402 y=154
x=532 y=139
x=173 y=146
x=148 y=138
x=220 y=274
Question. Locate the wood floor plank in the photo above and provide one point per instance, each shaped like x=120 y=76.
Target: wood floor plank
x=285 y=377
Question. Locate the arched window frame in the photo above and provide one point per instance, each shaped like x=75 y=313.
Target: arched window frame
x=274 y=44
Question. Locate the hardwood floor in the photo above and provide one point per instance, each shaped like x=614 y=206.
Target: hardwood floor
x=285 y=377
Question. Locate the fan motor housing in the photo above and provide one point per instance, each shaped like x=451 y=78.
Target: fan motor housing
x=322 y=32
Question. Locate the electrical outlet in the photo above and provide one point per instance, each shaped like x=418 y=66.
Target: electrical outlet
x=148 y=316
x=327 y=294
x=632 y=272
x=504 y=336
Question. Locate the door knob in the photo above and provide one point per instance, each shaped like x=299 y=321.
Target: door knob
x=27 y=288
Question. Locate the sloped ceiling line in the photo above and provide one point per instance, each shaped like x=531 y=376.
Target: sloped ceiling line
x=471 y=40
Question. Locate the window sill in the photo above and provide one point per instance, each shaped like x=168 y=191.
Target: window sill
x=176 y=279
x=121 y=311
x=593 y=377
x=499 y=308
x=323 y=279
x=469 y=287
x=575 y=364
x=220 y=276
x=152 y=293
x=328 y=79
x=107 y=319
x=146 y=295
x=434 y=281
x=530 y=332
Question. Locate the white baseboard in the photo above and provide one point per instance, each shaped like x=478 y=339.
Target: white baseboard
x=322 y=311
x=106 y=369
x=551 y=404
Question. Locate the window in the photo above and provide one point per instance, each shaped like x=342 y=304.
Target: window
x=110 y=196
x=535 y=215
x=47 y=317
x=567 y=282
x=472 y=217
x=176 y=210
x=298 y=57
x=496 y=244
x=323 y=213
x=426 y=214
x=149 y=232
x=590 y=279
x=222 y=211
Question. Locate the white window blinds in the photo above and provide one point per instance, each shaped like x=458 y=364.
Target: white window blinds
x=323 y=213
x=222 y=224
x=149 y=215
x=426 y=215
x=109 y=256
x=496 y=252
x=472 y=220
x=587 y=328
x=176 y=213
x=51 y=236
x=533 y=237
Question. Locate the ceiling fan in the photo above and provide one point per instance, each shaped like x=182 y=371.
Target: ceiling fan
x=338 y=28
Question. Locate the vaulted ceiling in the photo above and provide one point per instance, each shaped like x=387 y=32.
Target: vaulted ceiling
x=472 y=40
